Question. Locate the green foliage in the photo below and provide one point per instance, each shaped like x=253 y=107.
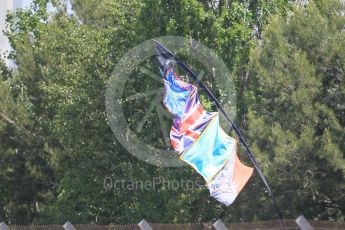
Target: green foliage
x=25 y=175
x=296 y=101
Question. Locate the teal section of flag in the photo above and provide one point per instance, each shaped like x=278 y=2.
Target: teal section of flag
x=211 y=151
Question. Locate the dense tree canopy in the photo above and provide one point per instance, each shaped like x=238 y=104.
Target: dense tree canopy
x=57 y=149
x=296 y=109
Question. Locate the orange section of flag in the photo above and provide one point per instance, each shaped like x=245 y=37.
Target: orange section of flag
x=241 y=174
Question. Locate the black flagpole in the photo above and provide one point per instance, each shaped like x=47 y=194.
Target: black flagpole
x=167 y=54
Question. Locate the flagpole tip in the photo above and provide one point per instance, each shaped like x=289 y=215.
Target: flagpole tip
x=157 y=43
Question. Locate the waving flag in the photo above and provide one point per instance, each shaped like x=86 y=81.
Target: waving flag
x=181 y=99
x=198 y=137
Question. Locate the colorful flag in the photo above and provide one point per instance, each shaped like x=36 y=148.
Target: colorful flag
x=182 y=100
x=198 y=137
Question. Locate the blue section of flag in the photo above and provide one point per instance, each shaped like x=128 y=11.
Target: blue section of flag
x=176 y=95
x=211 y=151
